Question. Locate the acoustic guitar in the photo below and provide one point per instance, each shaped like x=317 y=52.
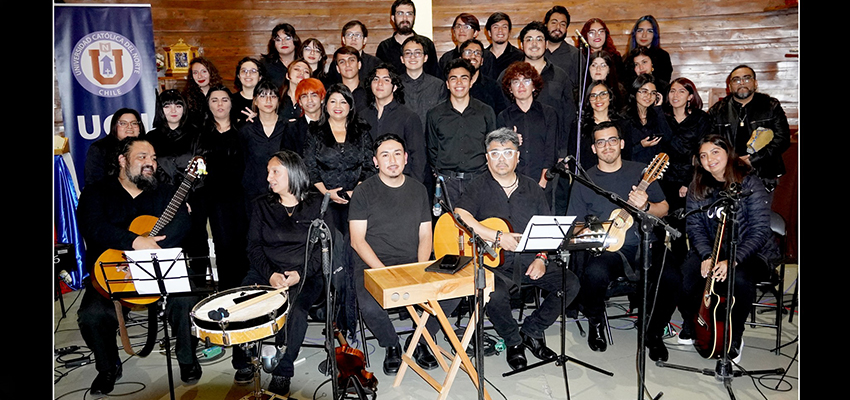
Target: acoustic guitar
x=620 y=219
x=111 y=272
x=711 y=318
x=452 y=239
x=758 y=139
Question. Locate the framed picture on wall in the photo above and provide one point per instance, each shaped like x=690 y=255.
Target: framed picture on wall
x=178 y=57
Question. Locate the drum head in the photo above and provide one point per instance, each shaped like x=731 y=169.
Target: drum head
x=203 y=314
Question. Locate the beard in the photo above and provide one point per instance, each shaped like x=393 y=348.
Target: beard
x=142 y=181
x=743 y=94
x=405 y=28
x=556 y=39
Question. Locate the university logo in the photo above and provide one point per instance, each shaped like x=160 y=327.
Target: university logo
x=106 y=64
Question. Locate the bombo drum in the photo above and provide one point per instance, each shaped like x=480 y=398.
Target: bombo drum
x=240 y=315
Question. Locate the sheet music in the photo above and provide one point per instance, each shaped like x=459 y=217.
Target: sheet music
x=172 y=264
x=545 y=232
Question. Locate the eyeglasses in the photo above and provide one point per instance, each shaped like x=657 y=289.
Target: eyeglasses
x=413 y=54
x=611 y=141
x=353 y=35
x=743 y=79
x=600 y=65
x=132 y=124
x=463 y=27
x=647 y=92
x=310 y=49
x=530 y=39
x=509 y=154
x=600 y=95
x=469 y=53
x=598 y=32
x=267 y=96
x=404 y=13
x=246 y=71
x=524 y=82
x=286 y=38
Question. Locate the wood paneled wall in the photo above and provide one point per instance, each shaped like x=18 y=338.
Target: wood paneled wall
x=705 y=38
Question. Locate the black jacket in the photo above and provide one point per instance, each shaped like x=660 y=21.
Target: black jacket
x=762 y=111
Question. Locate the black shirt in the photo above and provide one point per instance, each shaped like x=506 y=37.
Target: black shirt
x=258 y=150
x=399 y=119
x=456 y=140
x=511 y=55
x=390 y=51
x=423 y=93
x=339 y=165
x=539 y=128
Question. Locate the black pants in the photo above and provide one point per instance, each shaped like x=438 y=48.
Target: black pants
x=376 y=317
x=98 y=323
x=292 y=336
x=746 y=274
x=499 y=306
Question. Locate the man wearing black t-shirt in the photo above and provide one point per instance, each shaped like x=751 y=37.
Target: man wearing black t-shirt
x=596 y=271
x=504 y=193
x=390 y=224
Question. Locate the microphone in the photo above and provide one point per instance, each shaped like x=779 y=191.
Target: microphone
x=558 y=168
x=437 y=210
x=271 y=356
x=325 y=203
x=582 y=38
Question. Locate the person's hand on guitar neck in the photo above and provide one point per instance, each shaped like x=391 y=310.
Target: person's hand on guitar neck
x=719 y=273
x=147 y=242
x=509 y=240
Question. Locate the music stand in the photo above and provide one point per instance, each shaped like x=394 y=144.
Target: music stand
x=153 y=275
x=546 y=233
x=646 y=223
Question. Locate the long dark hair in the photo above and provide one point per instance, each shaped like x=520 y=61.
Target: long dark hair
x=168 y=97
x=355 y=126
x=704 y=184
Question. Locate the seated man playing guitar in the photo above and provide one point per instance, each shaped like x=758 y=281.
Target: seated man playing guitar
x=597 y=269
x=515 y=198
x=106 y=211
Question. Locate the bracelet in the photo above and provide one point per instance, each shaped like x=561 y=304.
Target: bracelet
x=647 y=206
x=544 y=257
x=498 y=239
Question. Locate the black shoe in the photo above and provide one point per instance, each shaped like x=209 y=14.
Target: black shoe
x=516 y=356
x=422 y=354
x=190 y=373
x=537 y=347
x=280 y=385
x=392 y=360
x=244 y=376
x=657 y=348
x=596 y=337
x=104 y=383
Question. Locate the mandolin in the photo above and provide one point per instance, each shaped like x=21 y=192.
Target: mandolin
x=621 y=220
x=711 y=318
x=452 y=239
x=112 y=273
x=351 y=368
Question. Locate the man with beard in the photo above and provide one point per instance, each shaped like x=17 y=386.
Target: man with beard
x=403 y=16
x=596 y=270
x=503 y=193
x=105 y=212
x=745 y=114
x=498 y=28
x=560 y=53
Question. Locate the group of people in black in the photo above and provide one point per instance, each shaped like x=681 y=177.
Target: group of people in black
x=375 y=134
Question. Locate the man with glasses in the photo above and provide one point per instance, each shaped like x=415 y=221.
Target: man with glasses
x=465 y=27
x=502 y=192
x=455 y=129
x=746 y=114
x=403 y=16
x=355 y=34
x=596 y=270
x=485 y=88
x=422 y=91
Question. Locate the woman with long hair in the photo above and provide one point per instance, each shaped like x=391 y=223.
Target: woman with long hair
x=598 y=38
x=598 y=107
x=338 y=151
x=249 y=72
x=604 y=67
x=643 y=60
x=313 y=51
x=281 y=52
x=172 y=135
x=279 y=257
x=100 y=156
x=646 y=125
x=646 y=33
x=721 y=180
x=203 y=75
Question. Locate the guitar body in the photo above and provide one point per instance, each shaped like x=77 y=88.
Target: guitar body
x=451 y=239
x=116 y=278
x=710 y=324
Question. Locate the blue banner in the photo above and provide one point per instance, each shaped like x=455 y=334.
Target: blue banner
x=105 y=60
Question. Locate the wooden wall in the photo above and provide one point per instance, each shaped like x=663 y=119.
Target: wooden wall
x=705 y=38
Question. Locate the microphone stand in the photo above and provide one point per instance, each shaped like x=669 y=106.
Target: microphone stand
x=582 y=91
x=647 y=223
x=724 y=371
x=480 y=247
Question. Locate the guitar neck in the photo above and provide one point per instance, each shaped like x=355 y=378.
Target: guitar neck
x=715 y=251
x=173 y=205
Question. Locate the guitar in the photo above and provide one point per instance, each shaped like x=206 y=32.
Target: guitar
x=711 y=318
x=620 y=219
x=115 y=277
x=452 y=239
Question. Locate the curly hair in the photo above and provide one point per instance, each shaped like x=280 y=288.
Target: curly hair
x=524 y=69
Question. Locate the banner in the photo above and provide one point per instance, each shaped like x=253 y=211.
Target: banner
x=105 y=60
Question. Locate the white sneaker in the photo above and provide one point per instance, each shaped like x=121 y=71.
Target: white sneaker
x=737 y=359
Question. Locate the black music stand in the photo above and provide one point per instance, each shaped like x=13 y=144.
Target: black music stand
x=154 y=276
x=549 y=234
x=647 y=223
x=724 y=371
